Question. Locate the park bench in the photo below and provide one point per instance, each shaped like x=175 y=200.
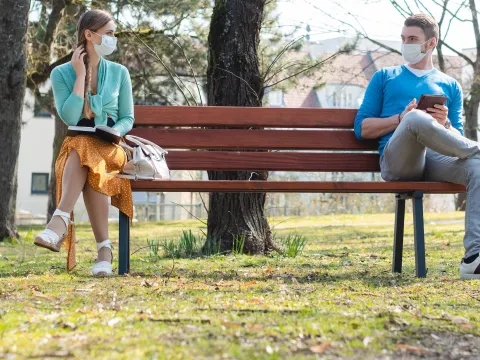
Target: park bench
x=302 y=131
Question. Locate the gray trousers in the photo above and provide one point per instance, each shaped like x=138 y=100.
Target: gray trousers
x=422 y=149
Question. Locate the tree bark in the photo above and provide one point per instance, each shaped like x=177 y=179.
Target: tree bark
x=60 y=133
x=471 y=105
x=233 y=79
x=13 y=30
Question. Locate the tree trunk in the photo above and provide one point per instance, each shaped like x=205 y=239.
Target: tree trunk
x=233 y=79
x=471 y=112
x=60 y=133
x=471 y=105
x=13 y=30
x=471 y=126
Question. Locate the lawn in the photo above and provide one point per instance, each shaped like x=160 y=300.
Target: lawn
x=338 y=299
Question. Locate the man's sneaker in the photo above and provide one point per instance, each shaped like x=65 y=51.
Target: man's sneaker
x=470 y=268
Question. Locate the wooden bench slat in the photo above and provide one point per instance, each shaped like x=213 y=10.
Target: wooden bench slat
x=243 y=117
x=272 y=161
x=296 y=186
x=255 y=139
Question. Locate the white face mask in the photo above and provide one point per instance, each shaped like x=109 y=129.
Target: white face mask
x=412 y=53
x=107 y=46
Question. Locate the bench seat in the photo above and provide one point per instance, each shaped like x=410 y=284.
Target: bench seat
x=273 y=139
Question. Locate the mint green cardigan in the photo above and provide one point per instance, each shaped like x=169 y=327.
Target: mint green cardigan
x=114 y=96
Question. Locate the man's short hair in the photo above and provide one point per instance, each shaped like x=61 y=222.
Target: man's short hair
x=426 y=23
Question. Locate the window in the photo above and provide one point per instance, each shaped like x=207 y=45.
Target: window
x=334 y=99
x=38 y=110
x=350 y=104
x=275 y=98
x=39 y=183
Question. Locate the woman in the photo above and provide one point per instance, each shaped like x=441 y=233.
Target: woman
x=90 y=90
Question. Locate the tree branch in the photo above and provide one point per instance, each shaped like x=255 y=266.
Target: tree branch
x=304 y=70
x=462 y=55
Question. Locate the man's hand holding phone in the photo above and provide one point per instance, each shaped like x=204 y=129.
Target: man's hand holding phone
x=411 y=106
x=439 y=112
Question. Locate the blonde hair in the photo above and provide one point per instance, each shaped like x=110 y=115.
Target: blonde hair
x=92 y=20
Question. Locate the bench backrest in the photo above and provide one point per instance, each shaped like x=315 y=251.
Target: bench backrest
x=300 y=130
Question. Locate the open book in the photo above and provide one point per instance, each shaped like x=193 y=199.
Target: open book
x=102 y=131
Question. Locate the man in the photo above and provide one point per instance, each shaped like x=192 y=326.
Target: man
x=416 y=145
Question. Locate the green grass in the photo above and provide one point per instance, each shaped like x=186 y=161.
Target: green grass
x=337 y=299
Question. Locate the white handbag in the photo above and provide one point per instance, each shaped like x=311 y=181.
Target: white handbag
x=146 y=160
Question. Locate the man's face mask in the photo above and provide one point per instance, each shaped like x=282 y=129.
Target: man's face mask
x=412 y=53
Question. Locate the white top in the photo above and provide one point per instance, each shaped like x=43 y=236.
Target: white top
x=418 y=72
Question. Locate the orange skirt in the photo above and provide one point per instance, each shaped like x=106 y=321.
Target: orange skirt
x=100 y=157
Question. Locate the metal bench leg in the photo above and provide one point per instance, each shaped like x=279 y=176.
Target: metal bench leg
x=124 y=245
x=419 y=234
x=398 y=235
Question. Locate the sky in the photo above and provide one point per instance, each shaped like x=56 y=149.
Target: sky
x=378 y=18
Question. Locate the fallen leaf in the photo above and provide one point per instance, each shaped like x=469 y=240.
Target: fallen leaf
x=114 y=321
x=321 y=348
x=91 y=285
x=255 y=327
x=257 y=300
x=459 y=320
x=229 y=324
x=250 y=283
x=367 y=340
x=466 y=326
x=66 y=325
x=40 y=295
x=456 y=319
x=411 y=348
x=145 y=283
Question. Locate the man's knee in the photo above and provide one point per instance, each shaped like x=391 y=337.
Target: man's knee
x=417 y=120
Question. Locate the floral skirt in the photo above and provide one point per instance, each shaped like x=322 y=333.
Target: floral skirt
x=100 y=157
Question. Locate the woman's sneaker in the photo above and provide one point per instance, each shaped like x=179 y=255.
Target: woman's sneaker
x=470 y=268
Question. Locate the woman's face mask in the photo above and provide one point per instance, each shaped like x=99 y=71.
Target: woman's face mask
x=107 y=46
x=412 y=53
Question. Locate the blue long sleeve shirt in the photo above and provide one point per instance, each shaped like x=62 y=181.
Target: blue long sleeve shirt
x=393 y=88
x=113 y=99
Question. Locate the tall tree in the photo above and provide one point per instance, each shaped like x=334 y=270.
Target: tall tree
x=234 y=79
x=13 y=34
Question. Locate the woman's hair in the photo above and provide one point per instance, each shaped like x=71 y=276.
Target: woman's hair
x=92 y=20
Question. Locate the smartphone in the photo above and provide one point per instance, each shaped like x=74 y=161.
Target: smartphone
x=428 y=101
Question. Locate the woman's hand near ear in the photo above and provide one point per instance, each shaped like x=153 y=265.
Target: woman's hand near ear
x=79 y=67
x=78 y=62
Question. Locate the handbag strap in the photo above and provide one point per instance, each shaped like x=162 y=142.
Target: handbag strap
x=142 y=142
x=125 y=145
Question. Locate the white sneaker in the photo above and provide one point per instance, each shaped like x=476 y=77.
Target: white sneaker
x=470 y=271
x=49 y=239
x=103 y=268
